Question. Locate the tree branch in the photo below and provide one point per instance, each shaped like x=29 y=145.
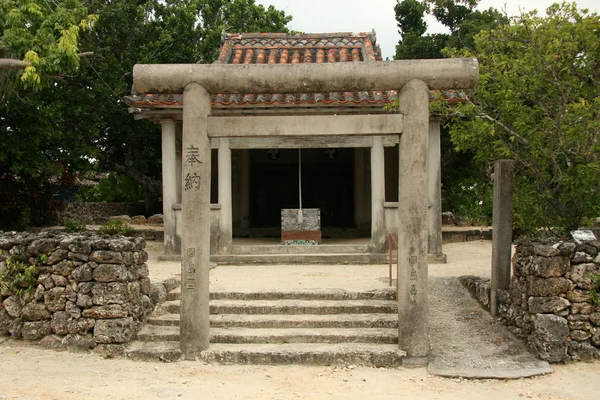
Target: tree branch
x=11 y=63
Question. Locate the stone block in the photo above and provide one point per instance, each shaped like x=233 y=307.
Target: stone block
x=583 y=275
x=83 y=273
x=59 y=280
x=580 y=335
x=72 y=309
x=41 y=247
x=545 y=305
x=582 y=351
x=582 y=308
x=110 y=273
x=117 y=330
x=580 y=326
x=595 y=318
x=64 y=268
x=548 y=267
x=582 y=257
x=106 y=257
x=579 y=296
x=55 y=299
x=35 y=330
x=311 y=220
x=35 y=312
x=79 y=256
x=121 y=245
x=57 y=256
x=80 y=326
x=123 y=218
x=5 y=322
x=106 y=312
x=543 y=287
x=38 y=295
x=59 y=322
x=110 y=293
x=566 y=248
x=549 y=337
x=84 y=301
x=156 y=219
x=158 y=293
x=138 y=220
x=595 y=339
x=13 y=306
x=79 y=342
x=145 y=285
x=545 y=250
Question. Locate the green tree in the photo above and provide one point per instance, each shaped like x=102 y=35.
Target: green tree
x=538 y=102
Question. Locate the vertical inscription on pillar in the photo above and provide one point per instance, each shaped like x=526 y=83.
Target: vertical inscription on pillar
x=412 y=260
x=191 y=268
x=192 y=179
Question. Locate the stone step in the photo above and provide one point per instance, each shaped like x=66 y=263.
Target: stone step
x=152 y=333
x=306 y=258
x=153 y=351
x=308 y=294
x=378 y=355
x=301 y=249
x=290 y=321
x=293 y=306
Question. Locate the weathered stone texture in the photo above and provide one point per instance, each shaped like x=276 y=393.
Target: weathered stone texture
x=549 y=337
x=90 y=290
x=544 y=305
x=555 y=286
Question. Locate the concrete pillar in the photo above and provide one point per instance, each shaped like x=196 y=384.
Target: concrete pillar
x=359 y=187
x=501 y=229
x=245 y=188
x=378 y=229
x=178 y=143
x=412 y=275
x=434 y=172
x=196 y=220
x=226 y=217
x=169 y=184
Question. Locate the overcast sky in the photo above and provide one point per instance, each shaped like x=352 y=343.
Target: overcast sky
x=316 y=16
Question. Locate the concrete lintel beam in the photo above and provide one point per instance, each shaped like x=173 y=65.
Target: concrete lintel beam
x=312 y=125
x=448 y=73
x=310 y=142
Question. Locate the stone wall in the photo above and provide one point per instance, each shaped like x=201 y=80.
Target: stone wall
x=550 y=302
x=92 y=290
x=95 y=212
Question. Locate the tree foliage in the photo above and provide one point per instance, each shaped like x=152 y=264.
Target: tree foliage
x=538 y=102
x=77 y=119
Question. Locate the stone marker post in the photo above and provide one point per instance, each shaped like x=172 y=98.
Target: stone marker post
x=501 y=229
x=413 y=329
x=194 y=324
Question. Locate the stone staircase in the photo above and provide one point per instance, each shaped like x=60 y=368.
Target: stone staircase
x=320 y=327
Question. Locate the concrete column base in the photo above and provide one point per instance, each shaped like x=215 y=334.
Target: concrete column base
x=440 y=258
x=415 y=362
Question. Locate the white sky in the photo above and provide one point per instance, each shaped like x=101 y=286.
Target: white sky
x=316 y=16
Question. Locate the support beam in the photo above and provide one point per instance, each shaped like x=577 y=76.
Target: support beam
x=306 y=125
x=412 y=224
x=434 y=171
x=448 y=73
x=502 y=229
x=378 y=229
x=224 y=187
x=196 y=220
x=244 y=171
x=169 y=184
x=309 y=142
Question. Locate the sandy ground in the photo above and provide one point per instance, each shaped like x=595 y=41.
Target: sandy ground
x=29 y=372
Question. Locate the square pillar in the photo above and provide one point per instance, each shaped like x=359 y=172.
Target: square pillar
x=434 y=191
x=224 y=186
x=378 y=229
x=412 y=275
x=196 y=220
x=169 y=185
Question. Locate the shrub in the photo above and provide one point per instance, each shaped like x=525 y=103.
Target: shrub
x=74 y=226
x=116 y=227
x=18 y=277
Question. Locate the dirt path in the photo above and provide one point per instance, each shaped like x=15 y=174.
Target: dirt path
x=33 y=373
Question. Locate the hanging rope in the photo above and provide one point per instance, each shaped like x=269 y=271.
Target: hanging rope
x=300 y=216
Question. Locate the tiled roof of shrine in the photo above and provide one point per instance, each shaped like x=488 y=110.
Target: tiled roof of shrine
x=283 y=48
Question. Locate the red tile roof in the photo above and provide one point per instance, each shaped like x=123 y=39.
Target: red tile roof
x=283 y=48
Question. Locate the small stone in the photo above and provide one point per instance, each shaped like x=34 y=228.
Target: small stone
x=595 y=318
x=84 y=301
x=145 y=285
x=579 y=296
x=59 y=322
x=79 y=342
x=106 y=257
x=80 y=326
x=55 y=299
x=57 y=256
x=117 y=330
x=156 y=219
x=83 y=273
x=545 y=250
x=72 y=309
x=46 y=281
x=580 y=335
x=35 y=312
x=582 y=351
x=595 y=339
x=549 y=337
x=51 y=342
x=542 y=287
x=5 y=322
x=583 y=275
x=106 y=312
x=39 y=293
x=110 y=293
x=543 y=305
x=158 y=293
x=550 y=267
x=110 y=273
x=121 y=245
x=35 y=330
x=85 y=287
x=13 y=306
x=59 y=280
x=581 y=257
x=65 y=267
x=79 y=256
x=138 y=220
x=123 y=218
x=582 y=308
x=41 y=247
x=100 y=244
x=580 y=326
x=80 y=246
